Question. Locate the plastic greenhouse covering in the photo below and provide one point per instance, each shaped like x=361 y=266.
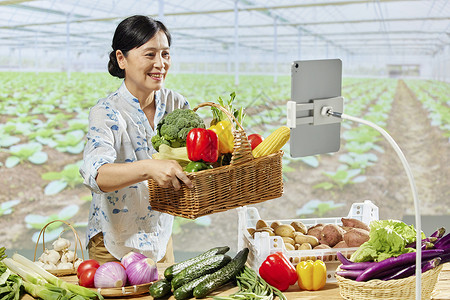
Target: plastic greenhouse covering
x=396 y=73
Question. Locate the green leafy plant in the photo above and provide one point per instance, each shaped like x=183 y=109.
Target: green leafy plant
x=317 y=208
x=68 y=177
x=6 y=208
x=341 y=177
x=29 y=151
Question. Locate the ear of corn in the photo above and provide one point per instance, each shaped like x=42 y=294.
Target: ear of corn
x=274 y=142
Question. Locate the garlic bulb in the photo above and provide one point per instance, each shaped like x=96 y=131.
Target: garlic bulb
x=50 y=257
x=68 y=256
x=77 y=263
x=61 y=244
x=49 y=266
x=62 y=266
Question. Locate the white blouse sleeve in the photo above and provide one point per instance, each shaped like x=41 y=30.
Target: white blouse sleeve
x=100 y=148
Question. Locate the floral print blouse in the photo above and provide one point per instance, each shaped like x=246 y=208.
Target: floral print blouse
x=119 y=132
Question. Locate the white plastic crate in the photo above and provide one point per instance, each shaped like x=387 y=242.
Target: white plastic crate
x=263 y=245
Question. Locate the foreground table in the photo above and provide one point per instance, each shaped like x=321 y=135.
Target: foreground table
x=329 y=292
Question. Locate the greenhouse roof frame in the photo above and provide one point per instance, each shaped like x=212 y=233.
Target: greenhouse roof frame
x=352 y=27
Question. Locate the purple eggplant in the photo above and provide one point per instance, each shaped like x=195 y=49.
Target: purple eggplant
x=438 y=233
x=344 y=260
x=358 y=265
x=410 y=270
x=392 y=262
x=350 y=274
x=427 y=243
x=443 y=242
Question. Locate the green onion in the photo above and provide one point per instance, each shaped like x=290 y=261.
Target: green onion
x=74 y=288
x=42 y=292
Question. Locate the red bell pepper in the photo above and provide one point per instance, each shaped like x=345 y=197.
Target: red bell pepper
x=278 y=271
x=202 y=145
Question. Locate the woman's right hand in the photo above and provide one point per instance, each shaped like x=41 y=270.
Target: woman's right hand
x=168 y=173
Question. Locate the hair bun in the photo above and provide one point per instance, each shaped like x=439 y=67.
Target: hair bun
x=113 y=66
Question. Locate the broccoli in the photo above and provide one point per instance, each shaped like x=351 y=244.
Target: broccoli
x=172 y=130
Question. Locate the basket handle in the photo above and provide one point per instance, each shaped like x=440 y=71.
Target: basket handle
x=77 y=238
x=242 y=151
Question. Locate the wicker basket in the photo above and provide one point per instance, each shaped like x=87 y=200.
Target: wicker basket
x=247 y=180
x=399 y=289
x=60 y=272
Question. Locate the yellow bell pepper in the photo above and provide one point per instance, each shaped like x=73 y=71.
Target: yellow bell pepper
x=312 y=275
x=226 y=139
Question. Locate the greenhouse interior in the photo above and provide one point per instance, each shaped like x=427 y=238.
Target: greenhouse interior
x=395 y=57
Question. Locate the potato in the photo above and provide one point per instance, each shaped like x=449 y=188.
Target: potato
x=341 y=244
x=332 y=234
x=261 y=224
x=275 y=224
x=356 y=237
x=289 y=247
x=251 y=231
x=355 y=223
x=289 y=240
x=305 y=246
x=316 y=230
x=285 y=230
x=322 y=246
x=301 y=239
x=266 y=229
x=299 y=227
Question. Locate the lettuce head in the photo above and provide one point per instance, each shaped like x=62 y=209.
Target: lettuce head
x=387 y=238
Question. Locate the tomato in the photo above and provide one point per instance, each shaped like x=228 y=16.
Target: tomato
x=87 y=264
x=87 y=277
x=255 y=139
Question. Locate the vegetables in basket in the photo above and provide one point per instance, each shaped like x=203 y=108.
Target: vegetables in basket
x=195 y=166
x=226 y=139
x=202 y=145
x=311 y=275
x=274 y=142
x=178 y=154
x=174 y=127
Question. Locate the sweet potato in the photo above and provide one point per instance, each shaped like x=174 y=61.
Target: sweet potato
x=341 y=244
x=332 y=234
x=350 y=222
x=356 y=237
x=316 y=230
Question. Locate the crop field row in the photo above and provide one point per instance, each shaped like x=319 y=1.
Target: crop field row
x=43 y=122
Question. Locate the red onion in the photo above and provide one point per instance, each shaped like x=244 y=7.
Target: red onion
x=110 y=275
x=142 y=271
x=131 y=257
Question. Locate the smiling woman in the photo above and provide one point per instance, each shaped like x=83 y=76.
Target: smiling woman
x=117 y=157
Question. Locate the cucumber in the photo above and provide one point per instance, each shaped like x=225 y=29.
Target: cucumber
x=173 y=270
x=203 y=267
x=186 y=290
x=160 y=288
x=222 y=276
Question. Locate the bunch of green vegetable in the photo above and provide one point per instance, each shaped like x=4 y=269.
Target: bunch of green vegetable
x=41 y=284
x=200 y=275
x=219 y=115
x=172 y=130
x=252 y=287
x=10 y=284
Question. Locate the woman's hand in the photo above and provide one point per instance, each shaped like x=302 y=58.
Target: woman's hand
x=166 y=173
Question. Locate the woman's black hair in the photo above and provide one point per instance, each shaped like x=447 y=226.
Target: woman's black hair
x=131 y=33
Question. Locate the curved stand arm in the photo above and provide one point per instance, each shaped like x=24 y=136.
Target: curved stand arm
x=412 y=185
